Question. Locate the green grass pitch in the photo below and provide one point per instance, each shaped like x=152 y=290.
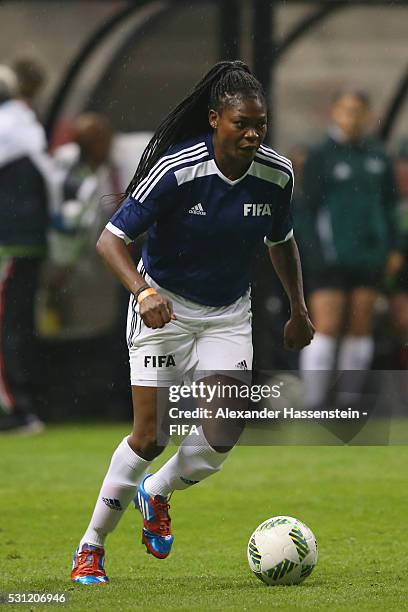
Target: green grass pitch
x=353 y=498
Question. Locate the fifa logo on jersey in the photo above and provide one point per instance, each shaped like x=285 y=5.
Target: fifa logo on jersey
x=159 y=361
x=257 y=210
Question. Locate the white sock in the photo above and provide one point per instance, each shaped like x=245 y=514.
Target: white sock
x=314 y=359
x=356 y=353
x=118 y=489
x=194 y=461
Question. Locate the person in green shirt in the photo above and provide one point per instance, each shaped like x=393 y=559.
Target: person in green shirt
x=349 y=240
x=399 y=287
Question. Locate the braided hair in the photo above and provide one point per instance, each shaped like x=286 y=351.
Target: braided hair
x=224 y=82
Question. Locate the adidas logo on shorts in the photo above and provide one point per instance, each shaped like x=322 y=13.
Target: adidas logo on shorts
x=242 y=365
x=197 y=210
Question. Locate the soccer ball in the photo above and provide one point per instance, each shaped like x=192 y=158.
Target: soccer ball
x=282 y=550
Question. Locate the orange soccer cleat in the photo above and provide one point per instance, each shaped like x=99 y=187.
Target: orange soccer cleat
x=88 y=565
x=156 y=534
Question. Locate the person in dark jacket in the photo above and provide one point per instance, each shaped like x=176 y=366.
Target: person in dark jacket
x=25 y=192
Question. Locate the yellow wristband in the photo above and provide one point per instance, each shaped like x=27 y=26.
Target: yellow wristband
x=144 y=294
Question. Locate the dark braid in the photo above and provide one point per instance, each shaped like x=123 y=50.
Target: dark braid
x=218 y=87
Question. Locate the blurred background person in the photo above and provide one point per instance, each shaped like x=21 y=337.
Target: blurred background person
x=399 y=286
x=349 y=198
x=31 y=77
x=95 y=168
x=27 y=191
x=91 y=193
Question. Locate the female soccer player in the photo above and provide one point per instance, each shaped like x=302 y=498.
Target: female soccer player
x=206 y=190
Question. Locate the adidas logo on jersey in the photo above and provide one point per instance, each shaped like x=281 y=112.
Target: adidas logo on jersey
x=197 y=210
x=257 y=210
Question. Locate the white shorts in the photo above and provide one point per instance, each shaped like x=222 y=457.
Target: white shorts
x=202 y=339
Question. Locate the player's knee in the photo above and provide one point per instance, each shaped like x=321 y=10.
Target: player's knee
x=145 y=443
x=360 y=326
x=223 y=449
x=328 y=328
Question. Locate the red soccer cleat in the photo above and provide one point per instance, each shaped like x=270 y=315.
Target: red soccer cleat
x=88 y=565
x=156 y=534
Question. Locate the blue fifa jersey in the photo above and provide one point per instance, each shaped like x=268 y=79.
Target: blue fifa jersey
x=202 y=227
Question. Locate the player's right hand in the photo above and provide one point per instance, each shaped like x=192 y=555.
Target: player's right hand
x=156 y=310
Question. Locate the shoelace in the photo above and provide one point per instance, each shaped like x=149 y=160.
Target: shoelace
x=84 y=567
x=161 y=511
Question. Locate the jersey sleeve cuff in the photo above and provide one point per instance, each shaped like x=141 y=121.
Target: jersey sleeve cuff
x=118 y=232
x=269 y=243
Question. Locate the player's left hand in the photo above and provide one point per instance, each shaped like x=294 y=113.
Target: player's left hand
x=298 y=332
